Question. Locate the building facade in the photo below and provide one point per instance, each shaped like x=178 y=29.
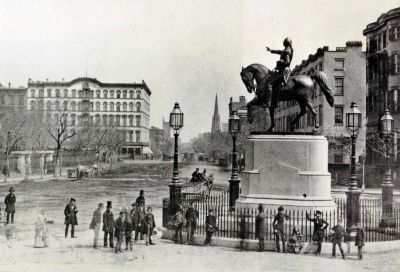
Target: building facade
x=12 y=99
x=123 y=105
x=345 y=71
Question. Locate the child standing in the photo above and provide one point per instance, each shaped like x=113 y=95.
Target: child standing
x=178 y=224
x=337 y=236
x=360 y=240
x=211 y=226
x=150 y=225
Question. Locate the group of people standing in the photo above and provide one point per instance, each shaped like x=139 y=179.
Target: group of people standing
x=295 y=242
x=139 y=220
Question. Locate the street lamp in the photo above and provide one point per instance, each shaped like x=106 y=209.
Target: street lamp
x=387 y=125
x=176 y=123
x=353 y=194
x=234 y=129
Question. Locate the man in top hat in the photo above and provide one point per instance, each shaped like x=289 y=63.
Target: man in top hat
x=108 y=225
x=10 y=205
x=319 y=227
x=70 y=212
x=279 y=226
x=140 y=199
x=138 y=216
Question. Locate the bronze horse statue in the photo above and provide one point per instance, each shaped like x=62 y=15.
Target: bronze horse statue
x=299 y=88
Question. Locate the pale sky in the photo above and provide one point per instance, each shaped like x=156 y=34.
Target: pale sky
x=186 y=51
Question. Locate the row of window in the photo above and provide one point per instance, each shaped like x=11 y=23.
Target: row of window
x=380 y=67
x=130 y=136
x=376 y=101
x=87 y=93
x=117 y=120
x=379 y=41
x=81 y=106
x=12 y=99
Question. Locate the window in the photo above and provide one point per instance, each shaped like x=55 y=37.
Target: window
x=97 y=106
x=137 y=121
x=383 y=39
x=339 y=85
x=73 y=93
x=105 y=93
x=124 y=94
x=131 y=106
x=138 y=94
x=111 y=106
x=98 y=94
x=124 y=105
x=118 y=106
x=338 y=158
x=105 y=106
x=339 y=115
x=339 y=64
x=118 y=119
x=73 y=119
x=320 y=66
x=131 y=94
x=21 y=100
x=41 y=93
x=396 y=65
x=118 y=94
x=138 y=136
x=131 y=120
x=124 y=120
x=73 y=105
x=57 y=105
x=80 y=93
x=131 y=136
x=111 y=94
x=138 y=105
x=33 y=93
x=105 y=120
x=49 y=93
x=65 y=105
x=65 y=92
x=57 y=93
x=79 y=106
x=33 y=105
x=97 y=119
x=48 y=105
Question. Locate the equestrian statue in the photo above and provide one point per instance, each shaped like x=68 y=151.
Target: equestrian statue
x=278 y=85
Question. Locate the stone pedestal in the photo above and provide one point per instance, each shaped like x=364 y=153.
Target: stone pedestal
x=287 y=170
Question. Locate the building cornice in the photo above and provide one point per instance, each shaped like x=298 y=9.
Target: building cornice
x=382 y=21
x=43 y=84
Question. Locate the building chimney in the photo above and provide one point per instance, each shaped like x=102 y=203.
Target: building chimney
x=9 y=85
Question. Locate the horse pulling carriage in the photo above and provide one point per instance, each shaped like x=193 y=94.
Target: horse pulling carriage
x=81 y=172
x=200 y=186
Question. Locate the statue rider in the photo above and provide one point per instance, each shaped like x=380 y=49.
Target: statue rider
x=282 y=71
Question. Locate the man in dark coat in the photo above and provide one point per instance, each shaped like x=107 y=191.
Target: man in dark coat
x=282 y=67
x=149 y=224
x=108 y=225
x=337 y=236
x=211 y=226
x=195 y=175
x=320 y=226
x=261 y=227
x=129 y=227
x=360 y=240
x=279 y=228
x=140 y=199
x=70 y=212
x=10 y=205
x=191 y=216
x=119 y=226
x=138 y=216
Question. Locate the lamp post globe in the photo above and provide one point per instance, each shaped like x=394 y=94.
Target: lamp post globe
x=175 y=187
x=234 y=129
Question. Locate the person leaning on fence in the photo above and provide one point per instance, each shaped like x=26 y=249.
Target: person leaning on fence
x=337 y=235
x=320 y=226
x=119 y=226
x=211 y=226
x=96 y=223
x=177 y=222
x=279 y=226
x=360 y=240
x=261 y=228
x=191 y=216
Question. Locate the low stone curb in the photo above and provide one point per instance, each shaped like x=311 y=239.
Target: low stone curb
x=250 y=244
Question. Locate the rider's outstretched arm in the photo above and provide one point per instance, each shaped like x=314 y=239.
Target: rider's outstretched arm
x=277 y=51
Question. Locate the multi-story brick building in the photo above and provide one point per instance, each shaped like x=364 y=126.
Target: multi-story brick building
x=345 y=70
x=383 y=71
x=125 y=105
x=12 y=99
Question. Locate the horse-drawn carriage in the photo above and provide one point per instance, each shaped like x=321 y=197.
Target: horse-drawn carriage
x=198 y=186
x=81 y=172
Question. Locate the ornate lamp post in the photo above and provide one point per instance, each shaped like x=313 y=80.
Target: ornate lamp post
x=387 y=123
x=353 y=193
x=176 y=123
x=234 y=128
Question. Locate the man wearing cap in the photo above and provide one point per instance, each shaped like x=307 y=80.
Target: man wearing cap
x=70 y=212
x=261 y=227
x=140 y=199
x=320 y=226
x=96 y=222
x=279 y=226
x=10 y=205
x=108 y=225
x=211 y=226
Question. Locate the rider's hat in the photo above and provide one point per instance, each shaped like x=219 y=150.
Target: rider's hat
x=287 y=40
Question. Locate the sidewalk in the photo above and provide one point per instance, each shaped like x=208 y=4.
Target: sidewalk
x=30 y=178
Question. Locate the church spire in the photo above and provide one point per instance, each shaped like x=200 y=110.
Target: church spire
x=216 y=124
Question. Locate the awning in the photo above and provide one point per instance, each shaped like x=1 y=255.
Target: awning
x=147 y=151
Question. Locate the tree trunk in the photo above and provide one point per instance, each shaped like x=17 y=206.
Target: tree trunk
x=8 y=168
x=55 y=170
